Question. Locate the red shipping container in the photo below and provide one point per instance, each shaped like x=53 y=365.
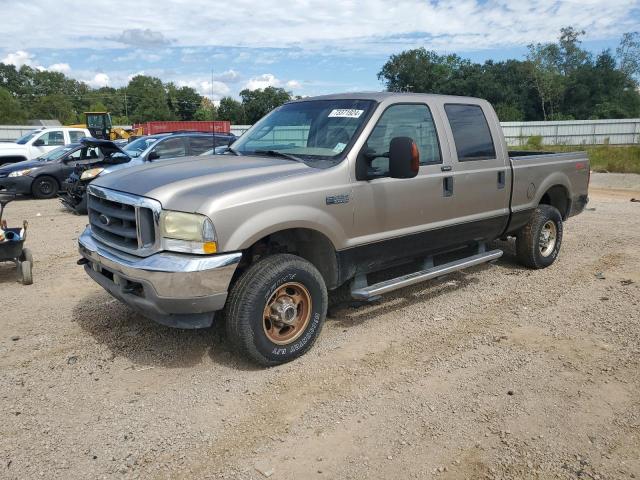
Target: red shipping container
x=151 y=128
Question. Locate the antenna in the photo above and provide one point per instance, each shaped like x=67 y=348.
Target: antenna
x=213 y=117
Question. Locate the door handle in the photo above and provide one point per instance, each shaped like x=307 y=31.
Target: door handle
x=501 y=179
x=447 y=186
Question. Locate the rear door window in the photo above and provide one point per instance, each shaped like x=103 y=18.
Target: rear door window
x=471 y=132
x=53 y=138
x=171 y=147
x=199 y=145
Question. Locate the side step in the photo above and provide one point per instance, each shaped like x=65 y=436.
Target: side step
x=371 y=291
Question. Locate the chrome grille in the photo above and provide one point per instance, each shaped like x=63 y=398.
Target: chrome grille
x=123 y=221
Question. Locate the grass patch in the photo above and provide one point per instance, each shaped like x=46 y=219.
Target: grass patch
x=602 y=158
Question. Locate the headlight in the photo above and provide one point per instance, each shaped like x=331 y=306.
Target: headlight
x=91 y=173
x=187 y=232
x=21 y=173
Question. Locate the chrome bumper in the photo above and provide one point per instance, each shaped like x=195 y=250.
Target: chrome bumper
x=174 y=289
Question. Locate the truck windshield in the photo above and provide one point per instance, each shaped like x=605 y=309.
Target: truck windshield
x=317 y=132
x=25 y=138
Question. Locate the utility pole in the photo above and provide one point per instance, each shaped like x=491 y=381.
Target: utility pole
x=126 y=111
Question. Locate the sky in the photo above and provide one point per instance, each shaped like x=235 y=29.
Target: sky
x=308 y=47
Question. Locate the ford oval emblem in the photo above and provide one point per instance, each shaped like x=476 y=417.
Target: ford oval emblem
x=104 y=220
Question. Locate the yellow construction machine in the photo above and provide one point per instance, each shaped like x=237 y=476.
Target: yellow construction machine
x=100 y=126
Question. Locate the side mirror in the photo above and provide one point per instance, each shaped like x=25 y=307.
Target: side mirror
x=38 y=143
x=153 y=156
x=404 y=158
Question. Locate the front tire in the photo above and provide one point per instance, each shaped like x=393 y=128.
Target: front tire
x=538 y=242
x=45 y=187
x=276 y=309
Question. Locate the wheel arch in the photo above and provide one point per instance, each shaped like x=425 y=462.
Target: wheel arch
x=557 y=196
x=308 y=243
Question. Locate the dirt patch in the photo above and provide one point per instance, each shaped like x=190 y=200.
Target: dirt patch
x=495 y=372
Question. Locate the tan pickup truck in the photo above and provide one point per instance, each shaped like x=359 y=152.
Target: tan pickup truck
x=315 y=196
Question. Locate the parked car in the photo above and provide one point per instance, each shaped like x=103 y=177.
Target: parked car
x=38 y=142
x=43 y=176
x=324 y=191
x=73 y=193
x=142 y=150
x=167 y=145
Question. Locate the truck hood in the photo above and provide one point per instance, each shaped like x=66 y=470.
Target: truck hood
x=186 y=184
x=11 y=147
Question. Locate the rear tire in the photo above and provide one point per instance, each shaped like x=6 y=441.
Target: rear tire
x=276 y=309
x=45 y=187
x=538 y=242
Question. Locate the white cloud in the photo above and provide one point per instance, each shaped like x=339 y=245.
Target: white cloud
x=60 y=67
x=263 y=81
x=206 y=88
x=139 y=37
x=18 y=59
x=137 y=55
x=317 y=25
x=270 y=80
x=229 y=76
x=21 y=58
x=99 y=80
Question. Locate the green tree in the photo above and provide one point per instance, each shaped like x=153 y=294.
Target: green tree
x=206 y=111
x=184 y=101
x=54 y=107
x=420 y=70
x=546 y=77
x=147 y=99
x=231 y=110
x=11 y=112
x=257 y=103
x=601 y=91
x=628 y=55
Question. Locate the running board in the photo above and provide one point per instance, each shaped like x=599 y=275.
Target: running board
x=372 y=291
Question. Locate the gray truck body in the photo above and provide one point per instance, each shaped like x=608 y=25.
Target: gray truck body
x=342 y=225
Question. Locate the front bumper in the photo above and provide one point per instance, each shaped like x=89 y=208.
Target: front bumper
x=17 y=184
x=173 y=289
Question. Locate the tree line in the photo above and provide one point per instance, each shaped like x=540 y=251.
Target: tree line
x=30 y=93
x=556 y=81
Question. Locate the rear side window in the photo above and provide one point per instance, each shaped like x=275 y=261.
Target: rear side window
x=170 y=148
x=470 y=132
x=200 y=145
x=76 y=135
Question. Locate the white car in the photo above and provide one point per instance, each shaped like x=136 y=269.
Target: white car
x=38 y=142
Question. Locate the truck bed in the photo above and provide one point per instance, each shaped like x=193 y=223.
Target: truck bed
x=540 y=176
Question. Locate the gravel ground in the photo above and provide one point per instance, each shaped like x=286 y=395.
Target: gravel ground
x=495 y=372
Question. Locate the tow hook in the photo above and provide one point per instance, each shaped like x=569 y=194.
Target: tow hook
x=82 y=261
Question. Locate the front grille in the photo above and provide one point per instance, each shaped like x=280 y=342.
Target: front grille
x=122 y=221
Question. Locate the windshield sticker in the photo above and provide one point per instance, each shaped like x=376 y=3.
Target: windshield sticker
x=345 y=113
x=339 y=147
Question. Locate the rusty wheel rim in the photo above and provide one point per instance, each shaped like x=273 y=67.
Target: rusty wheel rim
x=287 y=313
